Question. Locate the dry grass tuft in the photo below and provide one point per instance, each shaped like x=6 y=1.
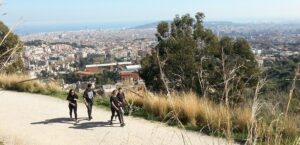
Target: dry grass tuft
x=243 y=117
x=189 y=108
x=204 y=114
x=24 y=84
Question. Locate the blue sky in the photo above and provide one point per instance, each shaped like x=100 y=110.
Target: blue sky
x=114 y=11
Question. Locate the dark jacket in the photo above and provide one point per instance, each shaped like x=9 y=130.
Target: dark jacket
x=116 y=102
x=72 y=98
x=121 y=98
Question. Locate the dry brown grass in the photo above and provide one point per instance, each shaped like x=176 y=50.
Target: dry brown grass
x=23 y=83
x=279 y=132
x=243 y=117
x=189 y=108
x=205 y=114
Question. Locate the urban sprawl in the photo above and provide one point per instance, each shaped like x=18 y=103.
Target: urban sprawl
x=121 y=50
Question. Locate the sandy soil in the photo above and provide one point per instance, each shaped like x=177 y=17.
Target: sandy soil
x=31 y=119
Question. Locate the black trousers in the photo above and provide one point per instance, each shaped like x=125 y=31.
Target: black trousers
x=89 y=110
x=119 y=114
x=71 y=109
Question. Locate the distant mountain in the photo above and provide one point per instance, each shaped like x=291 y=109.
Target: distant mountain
x=147 y=26
x=209 y=23
x=235 y=26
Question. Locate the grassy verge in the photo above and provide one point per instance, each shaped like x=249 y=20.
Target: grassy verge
x=210 y=118
x=23 y=83
x=189 y=112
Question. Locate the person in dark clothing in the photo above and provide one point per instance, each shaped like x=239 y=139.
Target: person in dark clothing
x=121 y=97
x=72 y=98
x=88 y=97
x=116 y=108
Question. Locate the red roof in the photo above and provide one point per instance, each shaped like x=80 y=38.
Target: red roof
x=125 y=74
x=92 y=69
x=128 y=73
x=85 y=73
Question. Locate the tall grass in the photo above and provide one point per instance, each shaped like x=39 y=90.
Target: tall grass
x=23 y=83
x=190 y=109
x=204 y=115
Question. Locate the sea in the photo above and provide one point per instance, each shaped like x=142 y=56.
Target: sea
x=26 y=29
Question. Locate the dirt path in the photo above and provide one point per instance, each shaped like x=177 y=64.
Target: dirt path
x=32 y=119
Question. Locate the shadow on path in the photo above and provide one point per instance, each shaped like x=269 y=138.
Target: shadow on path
x=79 y=125
x=89 y=125
x=58 y=120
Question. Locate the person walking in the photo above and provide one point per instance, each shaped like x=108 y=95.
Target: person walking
x=88 y=97
x=72 y=98
x=121 y=97
x=115 y=108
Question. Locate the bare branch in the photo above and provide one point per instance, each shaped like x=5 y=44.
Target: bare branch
x=297 y=73
x=15 y=49
x=162 y=75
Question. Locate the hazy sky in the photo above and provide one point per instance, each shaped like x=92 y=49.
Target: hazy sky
x=111 y=11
